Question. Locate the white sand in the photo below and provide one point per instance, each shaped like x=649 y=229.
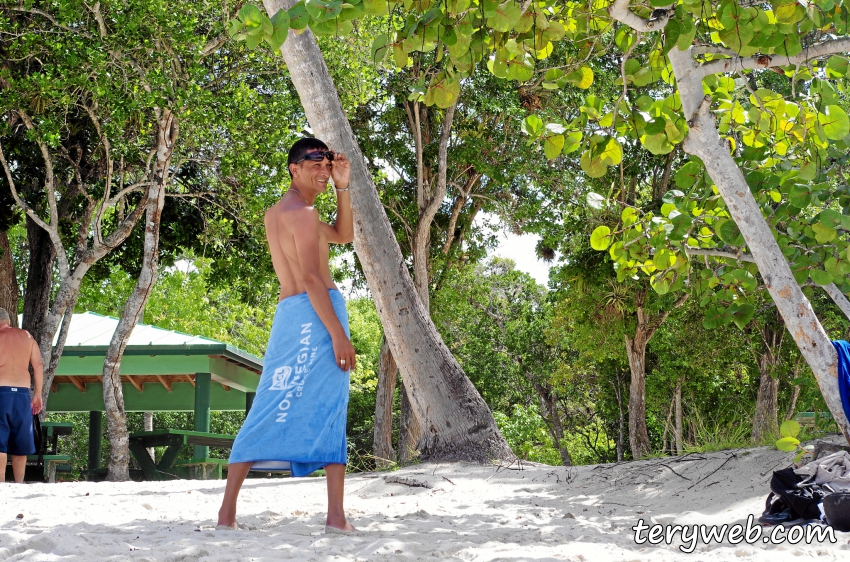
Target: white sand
x=470 y=513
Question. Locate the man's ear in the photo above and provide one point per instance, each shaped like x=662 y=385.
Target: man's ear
x=292 y=168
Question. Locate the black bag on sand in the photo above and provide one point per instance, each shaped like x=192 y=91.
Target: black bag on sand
x=787 y=502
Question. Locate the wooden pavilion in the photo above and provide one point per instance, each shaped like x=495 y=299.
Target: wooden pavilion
x=161 y=370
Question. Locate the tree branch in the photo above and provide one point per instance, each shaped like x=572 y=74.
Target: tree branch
x=213 y=45
x=755 y=62
x=619 y=10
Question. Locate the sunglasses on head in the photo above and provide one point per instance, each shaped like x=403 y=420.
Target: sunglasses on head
x=317 y=156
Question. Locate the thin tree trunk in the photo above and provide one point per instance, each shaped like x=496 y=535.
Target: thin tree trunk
x=410 y=429
x=621 y=425
x=764 y=420
x=8 y=280
x=459 y=423
x=638 y=435
x=382 y=443
x=792 y=407
x=148 y=421
x=680 y=447
x=113 y=394
x=556 y=428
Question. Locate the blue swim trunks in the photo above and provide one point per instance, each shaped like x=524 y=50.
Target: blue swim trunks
x=16 y=421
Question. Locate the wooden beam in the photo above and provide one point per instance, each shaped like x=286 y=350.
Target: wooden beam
x=225 y=387
x=191 y=379
x=139 y=385
x=81 y=386
x=165 y=383
x=54 y=386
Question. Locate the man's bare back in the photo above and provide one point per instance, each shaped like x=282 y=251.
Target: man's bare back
x=18 y=350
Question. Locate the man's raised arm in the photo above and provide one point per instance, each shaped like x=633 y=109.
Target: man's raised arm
x=37 y=373
x=343 y=227
x=305 y=228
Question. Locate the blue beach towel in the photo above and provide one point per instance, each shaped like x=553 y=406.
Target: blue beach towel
x=297 y=421
x=843 y=350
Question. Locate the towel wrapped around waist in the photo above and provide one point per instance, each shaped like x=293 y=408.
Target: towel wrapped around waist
x=297 y=421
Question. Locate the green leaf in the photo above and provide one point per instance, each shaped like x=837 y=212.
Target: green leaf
x=444 y=91
x=600 y=238
x=376 y=7
x=688 y=175
x=553 y=146
x=820 y=277
x=280 y=23
x=800 y=196
x=250 y=15
x=824 y=234
x=581 y=78
x=728 y=231
x=837 y=66
x=789 y=428
x=835 y=123
x=298 y=16
x=715 y=317
x=380 y=47
x=787 y=444
x=505 y=17
x=742 y=315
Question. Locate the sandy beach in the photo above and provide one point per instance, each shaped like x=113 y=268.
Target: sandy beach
x=431 y=512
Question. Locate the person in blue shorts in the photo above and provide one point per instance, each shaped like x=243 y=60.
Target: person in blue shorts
x=18 y=350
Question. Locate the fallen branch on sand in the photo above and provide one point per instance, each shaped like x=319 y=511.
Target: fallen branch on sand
x=408 y=481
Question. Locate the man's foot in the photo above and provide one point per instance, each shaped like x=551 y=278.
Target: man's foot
x=226 y=519
x=339 y=526
x=337 y=531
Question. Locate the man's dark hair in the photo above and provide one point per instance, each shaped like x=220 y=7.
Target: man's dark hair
x=301 y=148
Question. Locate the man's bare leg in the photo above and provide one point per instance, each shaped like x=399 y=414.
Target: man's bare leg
x=236 y=473
x=335 y=474
x=19 y=467
x=3 y=467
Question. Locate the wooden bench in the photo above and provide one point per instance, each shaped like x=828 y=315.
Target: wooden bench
x=175 y=439
x=50 y=465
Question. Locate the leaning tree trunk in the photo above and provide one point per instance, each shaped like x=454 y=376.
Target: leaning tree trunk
x=8 y=280
x=457 y=422
x=382 y=441
x=113 y=393
x=704 y=141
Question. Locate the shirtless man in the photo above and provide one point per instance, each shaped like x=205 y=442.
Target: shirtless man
x=298 y=242
x=17 y=351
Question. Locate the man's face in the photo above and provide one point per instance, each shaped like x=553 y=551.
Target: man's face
x=313 y=174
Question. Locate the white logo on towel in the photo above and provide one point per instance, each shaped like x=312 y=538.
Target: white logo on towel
x=280 y=379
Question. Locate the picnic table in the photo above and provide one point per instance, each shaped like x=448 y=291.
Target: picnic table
x=175 y=440
x=44 y=468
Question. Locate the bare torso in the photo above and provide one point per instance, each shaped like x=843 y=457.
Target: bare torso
x=284 y=255
x=16 y=348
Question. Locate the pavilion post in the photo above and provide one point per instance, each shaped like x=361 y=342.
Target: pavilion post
x=202 y=412
x=249 y=401
x=95 y=435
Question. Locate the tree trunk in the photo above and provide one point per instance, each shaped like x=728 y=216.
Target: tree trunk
x=638 y=436
x=792 y=407
x=764 y=420
x=457 y=424
x=8 y=280
x=409 y=431
x=680 y=447
x=148 y=421
x=113 y=394
x=39 y=281
x=704 y=141
x=382 y=442
x=556 y=428
x=621 y=421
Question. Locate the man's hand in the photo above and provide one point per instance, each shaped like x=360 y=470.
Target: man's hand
x=340 y=170
x=36 y=403
x=344 y=351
